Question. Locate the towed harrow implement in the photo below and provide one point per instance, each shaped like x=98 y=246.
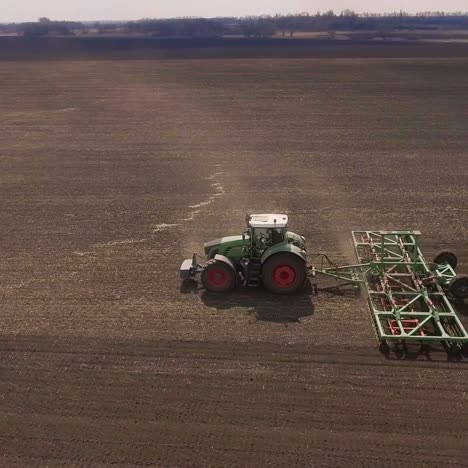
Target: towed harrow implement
x=408 y=297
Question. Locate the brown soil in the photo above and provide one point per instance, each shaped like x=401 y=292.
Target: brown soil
x=112 y=172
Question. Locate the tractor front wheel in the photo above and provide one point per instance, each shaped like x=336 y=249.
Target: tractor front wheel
x=218 y=277
x=284 y=273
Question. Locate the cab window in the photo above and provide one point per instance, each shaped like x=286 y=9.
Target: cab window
x=264 y=238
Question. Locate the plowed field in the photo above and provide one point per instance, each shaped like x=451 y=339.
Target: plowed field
x=113 y=172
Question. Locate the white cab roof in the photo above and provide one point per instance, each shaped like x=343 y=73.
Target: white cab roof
x=269 y=220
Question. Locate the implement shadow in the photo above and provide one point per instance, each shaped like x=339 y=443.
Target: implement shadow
x=262 y=304
x=431 y=353
x=461 y=308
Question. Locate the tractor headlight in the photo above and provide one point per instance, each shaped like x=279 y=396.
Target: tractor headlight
x=304 y=243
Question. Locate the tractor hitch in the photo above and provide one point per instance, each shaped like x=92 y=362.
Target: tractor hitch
x=190 y=268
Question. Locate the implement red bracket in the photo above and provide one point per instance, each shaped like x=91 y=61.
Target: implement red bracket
x=408 y=326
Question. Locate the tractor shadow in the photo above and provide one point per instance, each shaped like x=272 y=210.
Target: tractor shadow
x=260 y=303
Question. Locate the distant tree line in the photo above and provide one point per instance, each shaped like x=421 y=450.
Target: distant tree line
x=259 y=26
x=180 y=27
x=288 y=25
x=46 y=27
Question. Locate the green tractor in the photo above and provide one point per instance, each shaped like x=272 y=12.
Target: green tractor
x=266 y=253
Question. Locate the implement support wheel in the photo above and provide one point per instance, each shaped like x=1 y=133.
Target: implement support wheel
x=284 y=273
x=446 y=257
x=218 y=277
x=458 y=287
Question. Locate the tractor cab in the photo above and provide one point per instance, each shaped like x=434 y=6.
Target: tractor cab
x=265 y=231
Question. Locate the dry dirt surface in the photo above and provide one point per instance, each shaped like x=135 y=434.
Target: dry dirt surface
x=112 y=172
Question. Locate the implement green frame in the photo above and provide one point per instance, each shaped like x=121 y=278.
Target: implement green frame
x=406 y=295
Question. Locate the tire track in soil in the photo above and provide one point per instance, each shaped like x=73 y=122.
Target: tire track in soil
x=197 y=209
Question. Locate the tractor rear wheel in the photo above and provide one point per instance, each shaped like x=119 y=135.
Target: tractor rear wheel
x=446 y=257
x=218 y=277
x=284 y=273
x=458 y=287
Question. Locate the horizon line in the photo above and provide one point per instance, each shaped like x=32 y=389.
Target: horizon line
x=272 y=15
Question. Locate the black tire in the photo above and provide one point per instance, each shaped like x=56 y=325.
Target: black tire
x=446 y=257
x=458 y=287
x=218 y=277
x=284 y=273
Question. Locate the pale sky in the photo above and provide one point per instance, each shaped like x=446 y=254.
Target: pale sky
x=31 y=10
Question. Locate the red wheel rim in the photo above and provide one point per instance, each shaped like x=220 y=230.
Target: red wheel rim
x=284 y=276
x=218 y=277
